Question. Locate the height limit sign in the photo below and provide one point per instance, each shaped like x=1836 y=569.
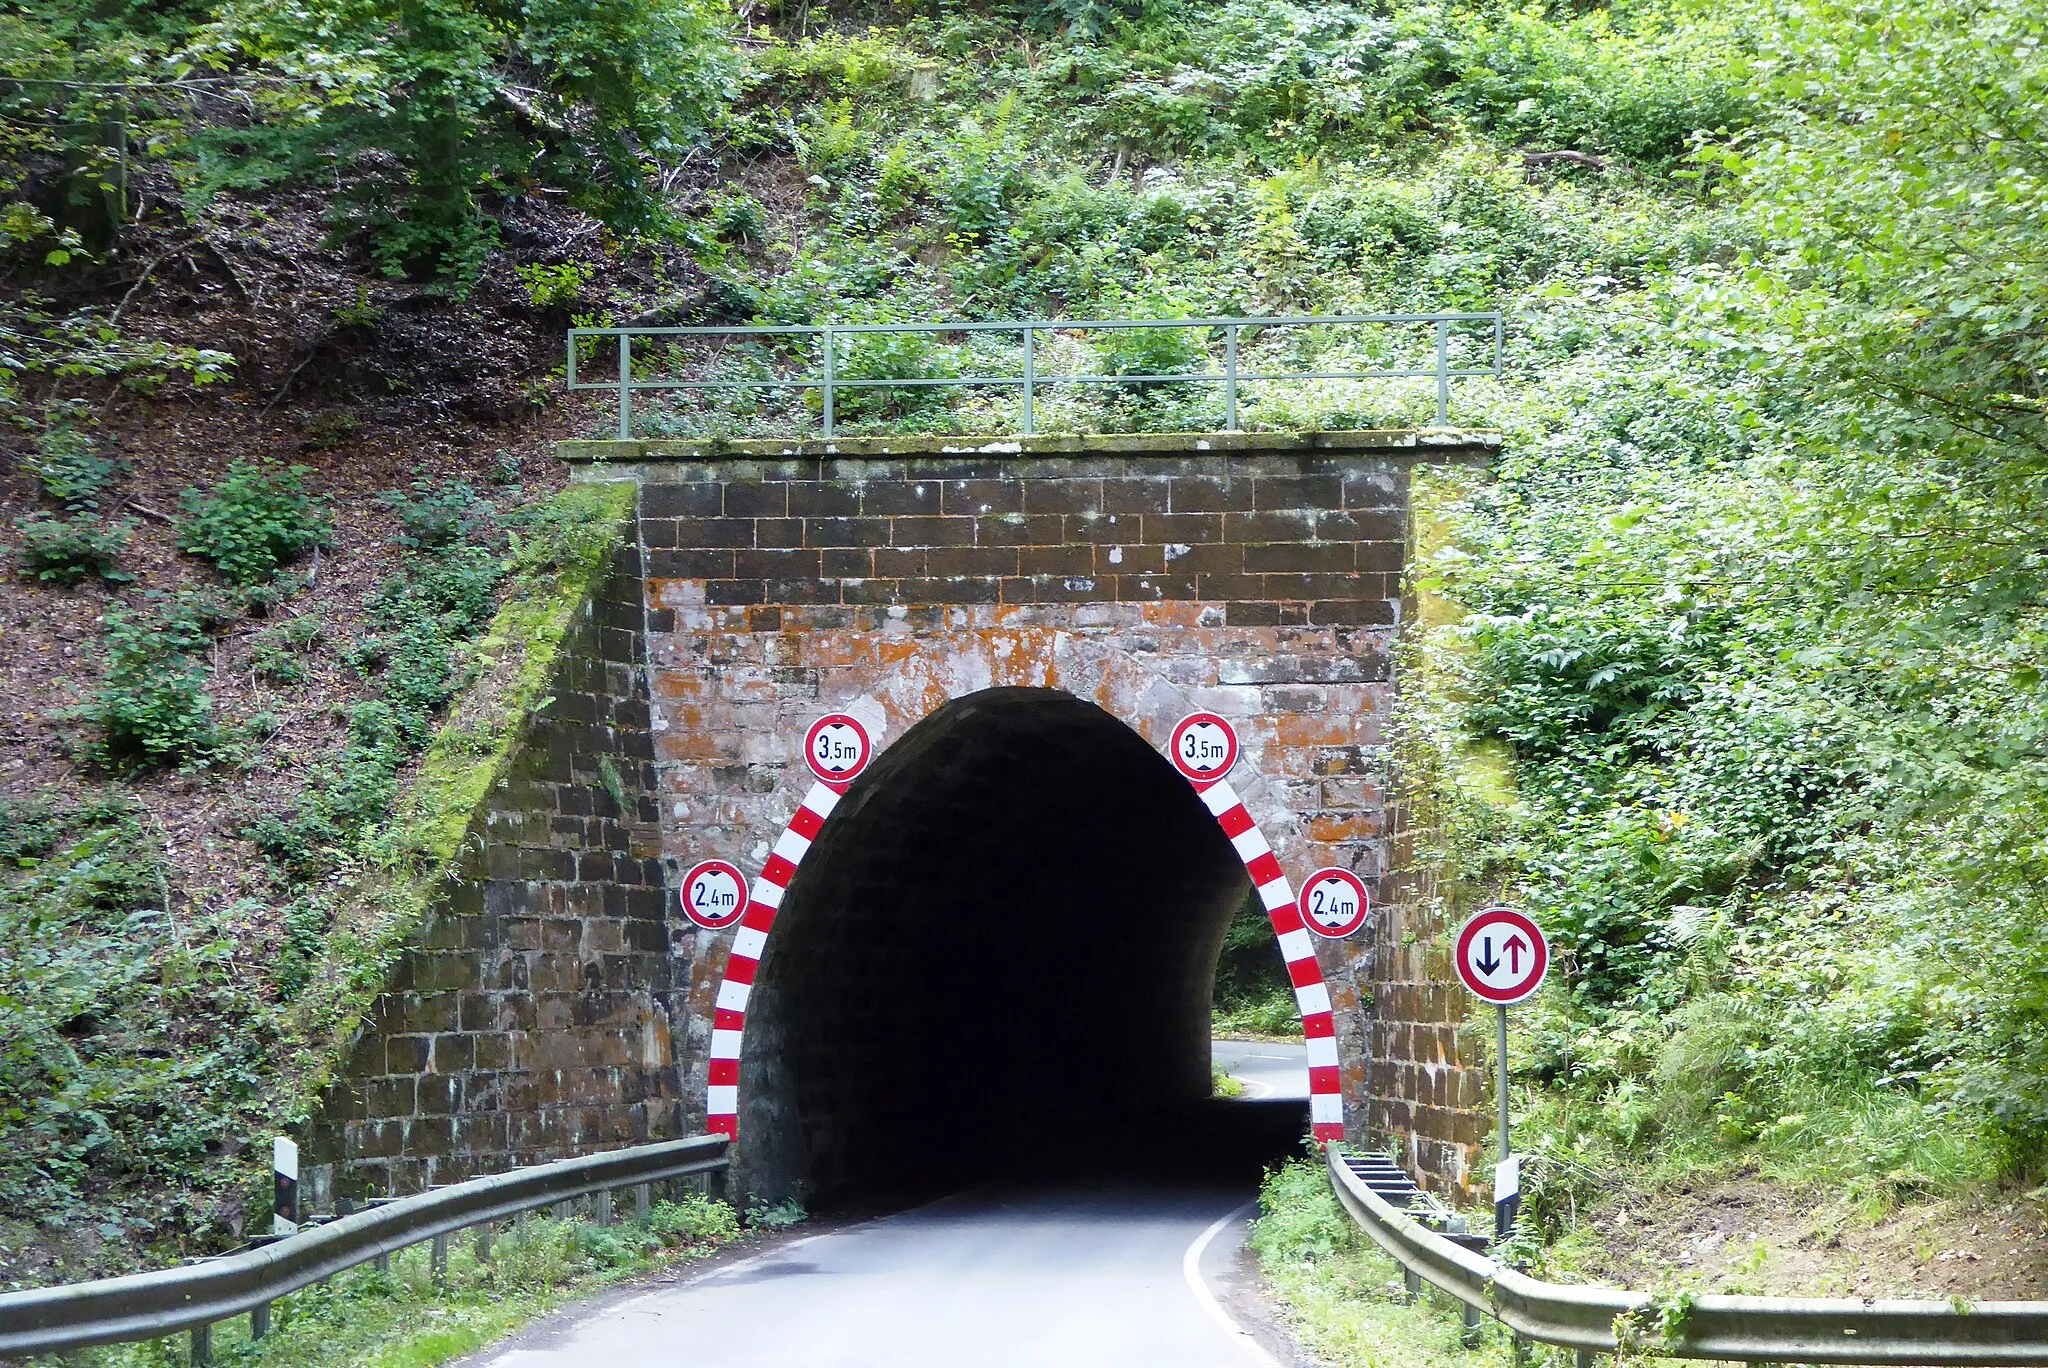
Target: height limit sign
x=1502 y=957
x=1203 y=747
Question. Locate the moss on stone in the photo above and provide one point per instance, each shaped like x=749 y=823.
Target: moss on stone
x=381 y=896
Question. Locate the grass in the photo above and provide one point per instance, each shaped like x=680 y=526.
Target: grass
x=404 y=1317
x=1341 y=1295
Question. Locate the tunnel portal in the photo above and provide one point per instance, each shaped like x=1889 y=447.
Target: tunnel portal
x=999 y=952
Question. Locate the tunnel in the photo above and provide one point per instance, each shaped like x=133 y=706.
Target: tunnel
x=995 y=962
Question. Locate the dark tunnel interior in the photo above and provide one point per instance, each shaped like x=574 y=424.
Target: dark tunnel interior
x=995 y=962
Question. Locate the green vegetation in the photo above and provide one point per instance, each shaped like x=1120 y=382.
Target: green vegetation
x=1253 y=994
x=407 y=1317
x=147 y=1035
x=67 y=550
x=252 y=522
x=1344 y=1296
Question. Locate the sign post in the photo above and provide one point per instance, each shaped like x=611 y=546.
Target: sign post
x=1502 y=956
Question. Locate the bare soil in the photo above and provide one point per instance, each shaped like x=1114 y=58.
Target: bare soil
x=1750 y=1235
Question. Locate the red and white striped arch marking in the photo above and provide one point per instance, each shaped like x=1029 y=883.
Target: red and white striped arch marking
x=1297 y=947
x=722 y=1097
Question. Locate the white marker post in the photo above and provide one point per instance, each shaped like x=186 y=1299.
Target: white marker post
x=284 y=1187
x=1502 y=956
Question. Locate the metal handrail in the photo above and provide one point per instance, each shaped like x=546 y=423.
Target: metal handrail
x=624 y=383
x=1709 y=1326
x=144 y=1306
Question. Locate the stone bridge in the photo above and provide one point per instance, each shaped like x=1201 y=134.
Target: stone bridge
x=1001 y=934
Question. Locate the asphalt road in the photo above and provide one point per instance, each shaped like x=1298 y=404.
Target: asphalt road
x=1094 y=1278
x=1268 y=1069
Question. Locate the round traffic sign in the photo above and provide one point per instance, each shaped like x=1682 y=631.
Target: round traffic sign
x=1204 y=747
x=837 y=748
x=1333 y=903
x=1501 y=955
x=714 y=894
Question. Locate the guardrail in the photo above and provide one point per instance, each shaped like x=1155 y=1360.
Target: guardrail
x=145 y=1306
x=1709 y=1326
x=831 y=379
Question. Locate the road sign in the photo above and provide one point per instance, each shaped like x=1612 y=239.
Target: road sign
x=1334 y=903
x=1501 y=955
x=837 y=748
x=1204 y=747
x=714 y=894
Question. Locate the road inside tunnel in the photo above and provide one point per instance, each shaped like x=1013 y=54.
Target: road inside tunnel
x=996 y=962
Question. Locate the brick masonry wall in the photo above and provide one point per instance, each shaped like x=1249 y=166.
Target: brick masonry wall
x=1261 y=584
x=554 y=1003
x=534 y=1015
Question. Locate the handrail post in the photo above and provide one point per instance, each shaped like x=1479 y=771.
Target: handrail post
x=625 y=387
x=202 y=1346
x=1230 y=378
x=1443 y=373
x=1029 y=375
x=1499 y=343
x=829 y=349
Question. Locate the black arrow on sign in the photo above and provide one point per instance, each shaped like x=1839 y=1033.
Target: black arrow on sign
x=1486 y=961
x=1515 y=948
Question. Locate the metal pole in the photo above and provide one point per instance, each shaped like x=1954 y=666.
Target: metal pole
x=1499 y=345
x=1230 y=378
x=1504 y=1202
x=202 y=1345
x=642 y=1200
x=1500 y=1044
x=259 y=1321
x=1030 y=373
x=604 y=1207
x=1443 y=373
x=437 y=1258
x=828 y=381
x=625 y=388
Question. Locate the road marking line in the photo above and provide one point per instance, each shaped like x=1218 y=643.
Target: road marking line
x=1191 y=1270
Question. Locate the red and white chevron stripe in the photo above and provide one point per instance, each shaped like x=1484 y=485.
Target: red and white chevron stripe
x=1326 y=1098
x=1297 y=947
x=722 y=1094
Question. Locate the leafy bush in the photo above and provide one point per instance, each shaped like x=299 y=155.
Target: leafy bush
x=67 y=550
x=255 y=519
x=695 y=1220
x=555 y=287
x=68 y=465
x=151 y=708
x=278 y=653
x=432 y=514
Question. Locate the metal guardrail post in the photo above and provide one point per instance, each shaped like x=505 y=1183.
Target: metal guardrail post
x=1230 y=378
x=1030 y=378
x=830 y=364
x=625 y=387
x=604 y=1207
x=202 y=1346
x=437 y=1258
x=1443 y=373
x=259 y=1322
x=484 y=1233
x=642 y=1200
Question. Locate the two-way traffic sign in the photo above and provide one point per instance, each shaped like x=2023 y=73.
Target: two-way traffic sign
x=1502 y=956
